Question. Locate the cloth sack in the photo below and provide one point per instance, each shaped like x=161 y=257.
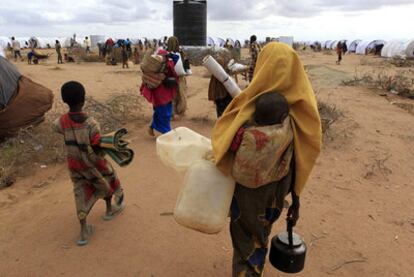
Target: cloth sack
x=264 y=155
x=278 y=69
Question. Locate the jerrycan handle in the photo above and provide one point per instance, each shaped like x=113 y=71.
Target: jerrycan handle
x=290 y=231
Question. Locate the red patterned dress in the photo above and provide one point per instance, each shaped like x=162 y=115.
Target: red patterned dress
x=92 y=175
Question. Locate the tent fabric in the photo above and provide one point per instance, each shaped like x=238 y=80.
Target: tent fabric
x=4 y=42
x=403 y=49
x=393 y=48
x=9 y=76
x=220 y=42
x=409 y=49
x=210 y=41
x=27 y=107
x=353 y=45
x=367 y=45
x=327 y=44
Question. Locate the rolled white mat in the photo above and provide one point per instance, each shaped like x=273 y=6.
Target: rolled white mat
x=232 y=87
x=215 y=68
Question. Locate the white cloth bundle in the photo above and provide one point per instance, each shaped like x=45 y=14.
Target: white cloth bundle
x=179 y=67
x=215 y=68
x=236 y=67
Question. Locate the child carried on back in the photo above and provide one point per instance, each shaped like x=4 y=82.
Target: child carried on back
x=263 y=150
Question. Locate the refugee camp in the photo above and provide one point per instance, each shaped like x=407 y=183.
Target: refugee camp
x=206 y=138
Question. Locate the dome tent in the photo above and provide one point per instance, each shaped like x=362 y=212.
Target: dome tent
x=22 y=101
x=365 y=46
x=8 y=81
x=352 y=45
x=220 y=42
x=327 y=44
x=409 y=49
x=333 y=45
x=393 y=48
x=210 y=41
x=403 y=49
x=24 y=42
x=4 y=43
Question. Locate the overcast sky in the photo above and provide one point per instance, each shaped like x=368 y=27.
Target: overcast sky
x=304 y=19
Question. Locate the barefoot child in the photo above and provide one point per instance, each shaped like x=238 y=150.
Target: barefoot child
x=92 y=176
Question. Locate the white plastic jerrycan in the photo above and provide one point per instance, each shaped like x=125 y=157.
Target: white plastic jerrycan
x=204 y=201
x=181 y=147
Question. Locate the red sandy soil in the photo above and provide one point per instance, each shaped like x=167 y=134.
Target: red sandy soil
x=357 y=215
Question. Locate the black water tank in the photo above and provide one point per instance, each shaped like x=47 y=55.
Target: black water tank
x=190 y=22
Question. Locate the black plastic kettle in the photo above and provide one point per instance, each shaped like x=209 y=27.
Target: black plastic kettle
x=288 y=251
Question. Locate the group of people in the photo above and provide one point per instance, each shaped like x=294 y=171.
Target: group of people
x=278 y=105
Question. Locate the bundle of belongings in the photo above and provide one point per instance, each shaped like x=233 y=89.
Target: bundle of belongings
x=153 y=64
x=116 y=147
x=35 y=56
x=236 y=68
x=22 y=102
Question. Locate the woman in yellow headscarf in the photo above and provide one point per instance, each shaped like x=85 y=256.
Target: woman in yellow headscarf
x=278 y=69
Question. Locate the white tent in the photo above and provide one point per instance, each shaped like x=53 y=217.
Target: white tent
x=353 y=45
x=39 y=42
x=95 y=39
x=366 y=46
x=409 y=49
x=65 y=42
x=327 y=44
x=215 y=41
x=24 y=41
x=4 y=41
x=398 y=48
x=210 y=41
x=286 y=40
x=220 y=42
x=333 y=44
x=393 y=48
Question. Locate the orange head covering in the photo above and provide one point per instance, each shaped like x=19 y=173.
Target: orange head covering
x=278 y=69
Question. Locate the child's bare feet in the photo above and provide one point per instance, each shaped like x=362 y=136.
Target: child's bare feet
x=86 y=233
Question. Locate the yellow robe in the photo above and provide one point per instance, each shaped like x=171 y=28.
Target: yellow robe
x=278 y=69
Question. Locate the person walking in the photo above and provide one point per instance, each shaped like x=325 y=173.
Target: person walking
x=254 y=210
x=16 y=49
x=339 y=49
x=254 y=52
x=58 y=48
x=87 y=43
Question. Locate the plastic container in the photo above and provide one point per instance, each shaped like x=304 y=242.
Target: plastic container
x=181 y=148
x=204 y=201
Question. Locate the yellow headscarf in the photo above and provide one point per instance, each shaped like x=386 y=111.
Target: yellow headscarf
x=278 y=69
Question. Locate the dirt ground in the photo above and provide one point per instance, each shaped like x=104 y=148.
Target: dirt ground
x=357 y=216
